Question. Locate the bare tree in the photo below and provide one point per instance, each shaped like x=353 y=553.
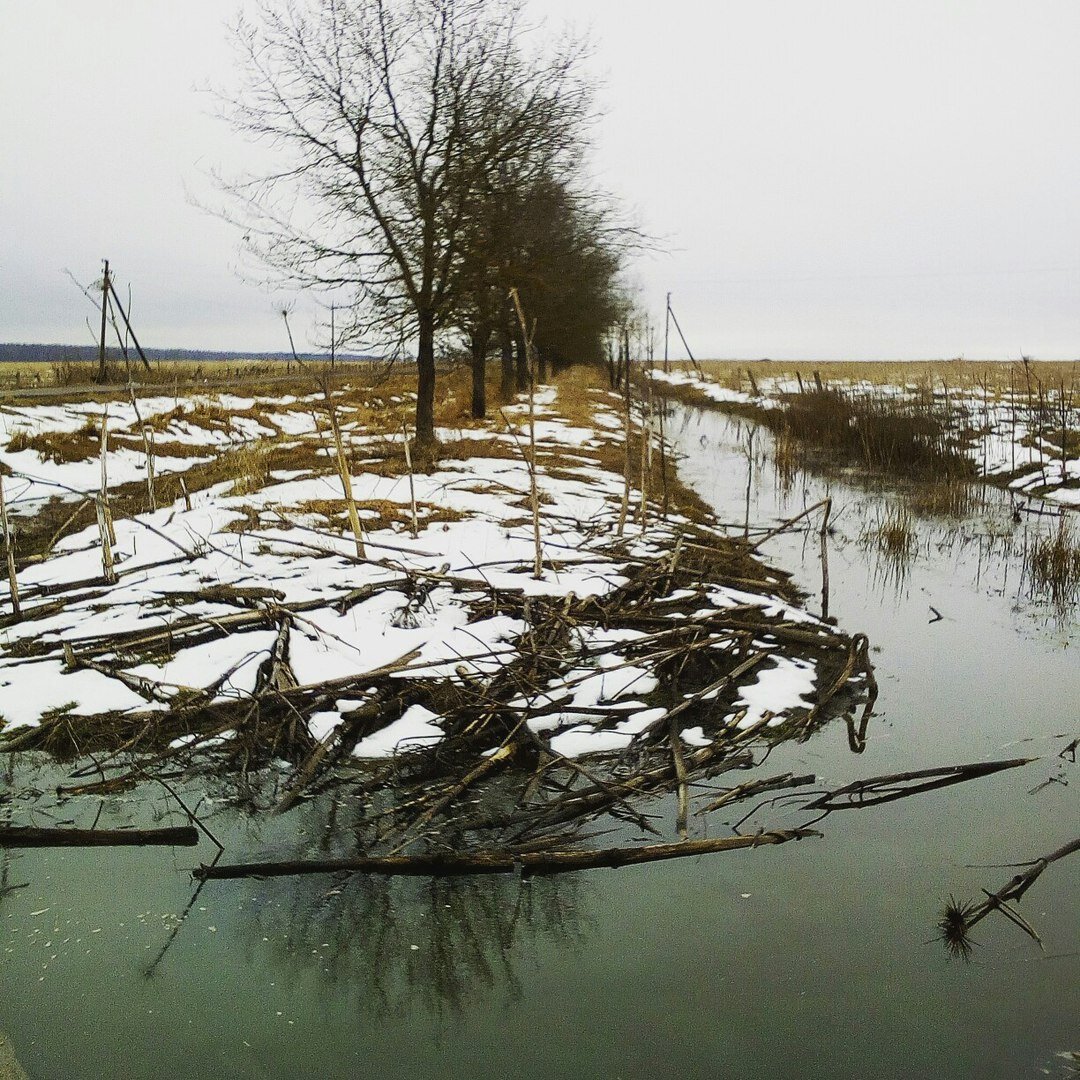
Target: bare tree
x=381 y=114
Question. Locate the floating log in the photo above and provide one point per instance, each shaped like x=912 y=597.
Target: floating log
x=501 y=862
x=17 y=836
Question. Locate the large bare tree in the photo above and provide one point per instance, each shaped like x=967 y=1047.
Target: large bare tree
x=389 y=119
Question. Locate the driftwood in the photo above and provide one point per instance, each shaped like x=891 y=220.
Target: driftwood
x=882 y=789
x=501 y=862
x=12 y=836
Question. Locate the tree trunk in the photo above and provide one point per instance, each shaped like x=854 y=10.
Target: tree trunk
x=541 y=366
x=506 y=382
x=479 y=346
x=521 y=362
x=425 y=382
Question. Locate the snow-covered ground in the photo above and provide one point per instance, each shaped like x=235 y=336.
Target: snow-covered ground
x=225 y=582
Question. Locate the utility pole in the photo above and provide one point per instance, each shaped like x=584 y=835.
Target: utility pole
x=667 y=326
x=105 y=285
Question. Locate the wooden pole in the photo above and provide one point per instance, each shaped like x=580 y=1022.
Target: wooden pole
x=127 y=323
x=682 y=337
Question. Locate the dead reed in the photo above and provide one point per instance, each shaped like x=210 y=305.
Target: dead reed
x=1053 y=564
x=879 y=433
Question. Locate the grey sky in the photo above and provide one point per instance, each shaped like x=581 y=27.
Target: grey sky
x=840 y=178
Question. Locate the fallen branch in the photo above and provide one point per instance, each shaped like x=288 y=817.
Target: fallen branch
x=882 y=789
x=178 y=836
x=500 y=862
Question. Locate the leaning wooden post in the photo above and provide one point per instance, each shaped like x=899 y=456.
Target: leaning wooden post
x=13 y=581
x=534 y=493
x=346 y=478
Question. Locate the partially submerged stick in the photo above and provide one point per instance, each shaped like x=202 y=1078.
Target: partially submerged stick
x=177 y=836
x=501 y=862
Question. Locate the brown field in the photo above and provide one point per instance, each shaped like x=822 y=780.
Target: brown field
x=995 y=376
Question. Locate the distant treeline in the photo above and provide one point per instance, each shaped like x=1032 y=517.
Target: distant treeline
x=60 y=354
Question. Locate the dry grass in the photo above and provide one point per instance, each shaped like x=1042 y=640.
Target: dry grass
x=59 y=446
x=788 y=459
x=893 y=539
x=993 y=376
x=251 y=469
x=880 y=434
x=950 y=498
x=1053 y=563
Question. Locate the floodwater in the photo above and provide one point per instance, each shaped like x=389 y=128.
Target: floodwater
x=814 y=959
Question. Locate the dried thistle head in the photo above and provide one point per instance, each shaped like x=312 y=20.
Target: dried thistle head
x=954 y=926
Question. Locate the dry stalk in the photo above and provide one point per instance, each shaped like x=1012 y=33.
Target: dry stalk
x=534 y=493
x=104 y=517
x=148 y=450
x=412 y=484
x=13 y=581
x=646 y=448
x=627 y=466
x=105 y=478
x=346 y=477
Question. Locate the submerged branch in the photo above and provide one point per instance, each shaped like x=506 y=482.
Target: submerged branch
x=502 y=862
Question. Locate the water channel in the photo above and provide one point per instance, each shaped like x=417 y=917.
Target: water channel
x=812 y=960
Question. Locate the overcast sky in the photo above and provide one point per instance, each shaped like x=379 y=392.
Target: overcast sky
x=839 y=178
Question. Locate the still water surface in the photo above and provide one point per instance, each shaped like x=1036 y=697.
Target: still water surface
x=814 y=959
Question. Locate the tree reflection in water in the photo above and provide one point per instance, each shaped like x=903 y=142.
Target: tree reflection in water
x=394 y=946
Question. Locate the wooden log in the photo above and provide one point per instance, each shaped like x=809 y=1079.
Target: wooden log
x=501 y=862
x=177 y=836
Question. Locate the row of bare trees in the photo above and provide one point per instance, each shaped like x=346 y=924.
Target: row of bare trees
x=428 y=158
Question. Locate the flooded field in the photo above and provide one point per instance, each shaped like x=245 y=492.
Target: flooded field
x=815 y=959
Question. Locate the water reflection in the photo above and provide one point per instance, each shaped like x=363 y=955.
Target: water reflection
x=395 y=946
x=1026 y=552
